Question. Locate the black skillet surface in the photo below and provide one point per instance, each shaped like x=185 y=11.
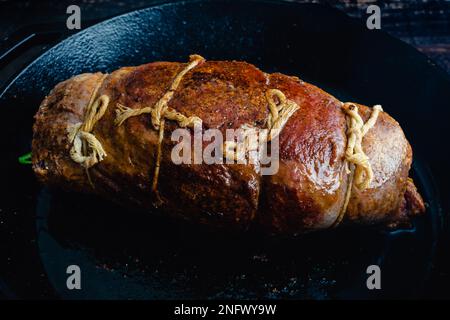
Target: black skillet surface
x=124 y=254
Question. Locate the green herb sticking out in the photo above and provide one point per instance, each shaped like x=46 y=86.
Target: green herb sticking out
x=25 y=159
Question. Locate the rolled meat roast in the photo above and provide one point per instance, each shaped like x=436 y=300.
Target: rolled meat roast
x=339 y=163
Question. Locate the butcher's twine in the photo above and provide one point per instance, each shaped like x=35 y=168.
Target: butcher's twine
x=86 y=148
x=159 y=112
x=280 y=112
x=361 y=173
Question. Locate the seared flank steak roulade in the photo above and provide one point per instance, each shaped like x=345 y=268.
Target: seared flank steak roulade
x=338 y=163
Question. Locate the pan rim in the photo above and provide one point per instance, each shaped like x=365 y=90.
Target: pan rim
x=165 y=3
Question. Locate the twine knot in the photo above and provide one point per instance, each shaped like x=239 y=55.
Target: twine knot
x=354 y=153
x=280 y=111
x=86 y=148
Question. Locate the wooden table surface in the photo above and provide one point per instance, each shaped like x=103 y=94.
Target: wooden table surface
x=424 y=24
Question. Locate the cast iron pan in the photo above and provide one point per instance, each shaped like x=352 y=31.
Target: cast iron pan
x=125 y=254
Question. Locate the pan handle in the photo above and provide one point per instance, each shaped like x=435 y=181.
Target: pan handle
x=26 y=42
x=45 y=35
x=23 y=48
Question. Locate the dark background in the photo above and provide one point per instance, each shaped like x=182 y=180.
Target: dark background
x=422 y=24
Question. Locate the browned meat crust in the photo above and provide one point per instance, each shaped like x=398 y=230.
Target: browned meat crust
x=306 y=194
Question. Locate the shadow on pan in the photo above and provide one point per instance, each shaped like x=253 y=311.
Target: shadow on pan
x=125 y=254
